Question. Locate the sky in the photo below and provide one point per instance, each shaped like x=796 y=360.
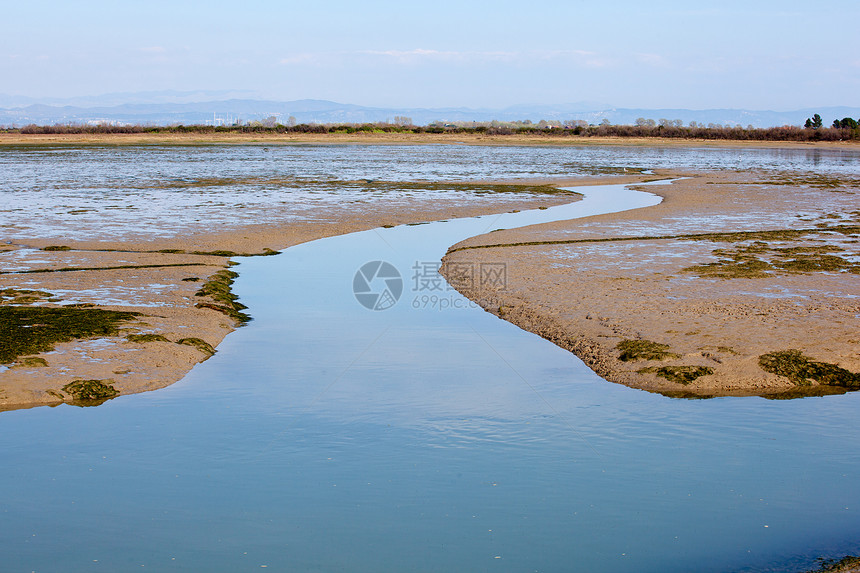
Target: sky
x=752 y=54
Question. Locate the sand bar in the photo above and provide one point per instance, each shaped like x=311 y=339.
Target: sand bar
x=153 y=259
x=686 y=297
x=582 y=292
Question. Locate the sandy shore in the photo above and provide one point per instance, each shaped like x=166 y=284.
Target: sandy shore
x=648 y=299
x=163 y=286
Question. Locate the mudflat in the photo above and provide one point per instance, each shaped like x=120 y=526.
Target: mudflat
x=166 y=271
x=736 y=284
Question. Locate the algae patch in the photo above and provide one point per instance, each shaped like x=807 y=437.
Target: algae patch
x=218 y=289
x=32 y=330
x=90 y=392
x=142 y=338
x=643 y=350
x=31 y=362
x=199 y=344
x=366 y=185
x=804 y=371
x=23 y=296
x=680 y=374
x=758 y=260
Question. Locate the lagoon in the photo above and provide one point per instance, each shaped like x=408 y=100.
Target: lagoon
x=430 y=436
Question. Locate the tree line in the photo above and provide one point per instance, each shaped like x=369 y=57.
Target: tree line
x=815 y=122
x=844 y=129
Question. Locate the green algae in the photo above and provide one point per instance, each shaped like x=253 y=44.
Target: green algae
x=90 y=392
x=368 y=185
x=632 y=350
x=738 y=268
x=33 y=330
x=31 y=362
x=727 y=237
x=814 y=180
x=758 y=260
x=199 y=344
x=118 y=267
x=144 y=338
x=804 y=371
x=680 y=374
x=23 y=296
x=218 y=289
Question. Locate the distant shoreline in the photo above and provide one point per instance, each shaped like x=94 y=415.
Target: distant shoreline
x=9 y=138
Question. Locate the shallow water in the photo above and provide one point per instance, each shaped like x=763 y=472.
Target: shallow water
x=75 y=193
x=325 y=436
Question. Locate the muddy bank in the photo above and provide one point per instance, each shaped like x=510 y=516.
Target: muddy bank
x=736 y=284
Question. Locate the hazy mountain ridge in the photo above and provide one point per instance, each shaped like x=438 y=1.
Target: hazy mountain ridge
x=151 y=108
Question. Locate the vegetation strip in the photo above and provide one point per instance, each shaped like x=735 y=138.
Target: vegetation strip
x=199 y=344
x=733 y=236
x=744 y=261
x=72 y=269
x=371 y=185
x=803 y=371
x=32 y=330
x=90 y=392
x=267 y=252
x=218 y=288
x=814 y=130
x=683 y=374
x=643 y=350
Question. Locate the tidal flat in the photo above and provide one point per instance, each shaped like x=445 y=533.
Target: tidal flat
x=690 y=297
x=323 y=435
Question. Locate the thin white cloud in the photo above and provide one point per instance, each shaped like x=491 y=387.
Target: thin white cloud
x=565 y=53
x=422 y=54
x=294 y=59
x=578 y=58
x=410 y=57
x=653 y=60
x=406 y=53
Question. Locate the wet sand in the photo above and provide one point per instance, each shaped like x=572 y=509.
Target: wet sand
x=585 y=296
x=713 y=308
x=162 y=286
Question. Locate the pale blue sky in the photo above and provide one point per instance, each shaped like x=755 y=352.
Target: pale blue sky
x=746 y=54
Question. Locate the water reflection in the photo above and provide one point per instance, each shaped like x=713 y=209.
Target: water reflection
x=327 y=437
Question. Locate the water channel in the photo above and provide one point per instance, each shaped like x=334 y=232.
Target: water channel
x=430 y=436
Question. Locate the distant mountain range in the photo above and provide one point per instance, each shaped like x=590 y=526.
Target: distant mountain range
x=195 y=108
